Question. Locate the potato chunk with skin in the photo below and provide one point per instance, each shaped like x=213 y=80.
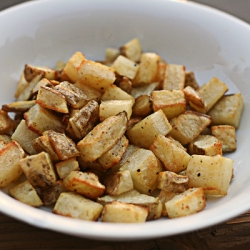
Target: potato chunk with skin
x=152 y=125
x=64 y=147
x=189 y=202
x=171 y=102
x=96 y=75
x=25 y=193
x=205 y=145
x=118 y=183
x=165 y=196
x=52 y=99
x=75 y=206
x=83 y=121
x=228 y=110
x=144 y=168
x=21 y=106
x=226 y=134
x=174 y=158
x=210 y=92
x=63 y=168
x=212 y=173
x=153 y=204
x=7 y=125
x=39 y=119
x=172 y=182
x=103 y=137
x=84 y=183
x=10 y=170
x=39 y=170
x=74 y=96
x=174 y=77
x=30 y=72
x=119 y=212
x=142 y=106
x=190 y=80
x=114 y=155
x=187 y=126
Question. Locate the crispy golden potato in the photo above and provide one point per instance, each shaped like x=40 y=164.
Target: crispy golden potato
x=174 y=77
x=132 y=50
x=102 y=137
x=63 y=168
x=142 y=106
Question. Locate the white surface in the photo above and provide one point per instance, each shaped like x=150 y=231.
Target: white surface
x=206 y=41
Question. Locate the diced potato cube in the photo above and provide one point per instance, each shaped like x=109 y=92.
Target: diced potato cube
x=84 y=120
x=42 y=143
x=39 y=170
x=205 y=145
x=132 y=50
x=144 y=168
x=119 y=212
x=70 y=69
x=228 y=110
x=174 y=77
x=10 y=170
x=125 y=67
x=153 y=204
x=113 y=107
x=24 y=136
x=114 y=155
x=171 y=102
x=226 y=134
x=84 y=183
x=212 y=173
x=25 y=193
x=63 y=168
x=64 y=147
x=174 y=158
x=115 y=93
x=210 y=92
x=172 y=182
x=75 y=206
x=52 y=99
x=152 y=125
x=103 y=137
x=96 y=75
x=118 y=182
x=148 y=69
x=189 y=202
x=74 y=96
x=30 y=72
x=187 y=126
x=39 y=119
x=193 y=96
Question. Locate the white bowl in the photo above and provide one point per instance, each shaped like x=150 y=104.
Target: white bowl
x=207 y=41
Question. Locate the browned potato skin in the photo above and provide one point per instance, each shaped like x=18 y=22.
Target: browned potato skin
x=102 y=137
